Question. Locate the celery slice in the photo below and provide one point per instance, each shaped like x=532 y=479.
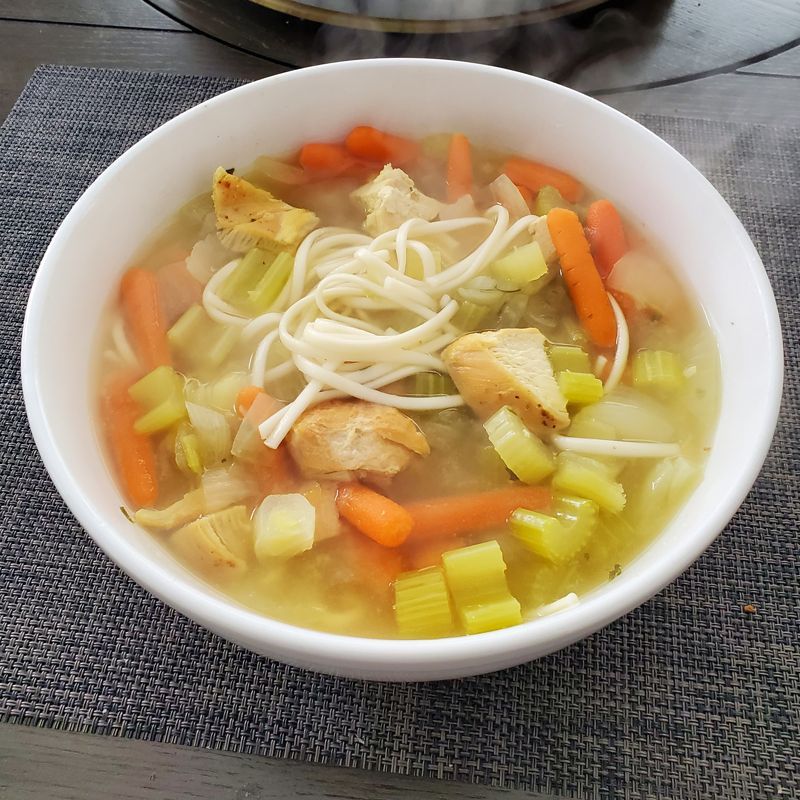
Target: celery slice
x=547 y=199
x=422 y=604
x=414 y=268
x=522 y=452
x=258 y=279
x=566 y=357
x=199 y=341
x=160 y=393
x=187 y=451
x=576 y=511
x=521 y=266
x=504 y=612
x=476 y=578
x=589 y=479
x=547 y=536
x=657 y=369
x=433 y=384
x=580 y=387
x=182 y=334
x=470 y=315
x=269 y=287
x=284 y=525
x=247 y=273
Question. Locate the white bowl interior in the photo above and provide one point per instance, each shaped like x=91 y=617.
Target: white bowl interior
x=670 y=200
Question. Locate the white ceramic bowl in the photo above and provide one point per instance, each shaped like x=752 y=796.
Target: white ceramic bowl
x=651 y=182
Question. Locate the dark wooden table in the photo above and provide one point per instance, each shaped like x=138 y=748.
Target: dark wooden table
x=713 y=59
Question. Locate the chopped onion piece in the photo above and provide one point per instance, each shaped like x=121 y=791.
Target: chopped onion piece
x=505 y=192
x=284 y=526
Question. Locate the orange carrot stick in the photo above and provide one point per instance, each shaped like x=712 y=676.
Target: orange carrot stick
x=459 y=167
x=377 y=567
x=132 y=452
x=325 y=159
x=451 y=516
x=144 y=317
x=375 y=515
x=583 y=281
x=384 y=148
x=245 y=398
x=534 y=176
x=606 y=235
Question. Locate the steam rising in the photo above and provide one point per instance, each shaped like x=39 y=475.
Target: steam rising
x=571 y=49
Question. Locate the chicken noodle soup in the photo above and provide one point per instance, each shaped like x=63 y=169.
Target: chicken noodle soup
x=394 y=388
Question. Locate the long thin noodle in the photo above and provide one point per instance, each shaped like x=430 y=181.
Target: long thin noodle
x=330 y=325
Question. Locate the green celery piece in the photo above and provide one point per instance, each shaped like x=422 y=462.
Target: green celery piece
x=565 y=357
x=199 y=341
x=547 y=199
x=577 y=477
x=160 y=393
x=187 y=450
x=245 y=276
x=522 y=451
x=182 y=336
x=433 y=384
x=547 y=536
x=266 y=291
x=505 y=612
x=576 y=511
x=422 y=604
x=221 y=345
x=657 y=369
x=580 y=387
x=476 y=578
x=470 y=316
x=414 y=268
x=521 y=266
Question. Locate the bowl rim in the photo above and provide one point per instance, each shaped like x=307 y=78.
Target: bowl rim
x=339 y=652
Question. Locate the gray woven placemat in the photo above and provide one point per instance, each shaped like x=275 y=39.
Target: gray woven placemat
x=686 y=697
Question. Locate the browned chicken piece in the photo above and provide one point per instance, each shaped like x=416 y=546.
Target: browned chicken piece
x=251 y=217
x=354 y=438
x=508 y=367
x=220 y=542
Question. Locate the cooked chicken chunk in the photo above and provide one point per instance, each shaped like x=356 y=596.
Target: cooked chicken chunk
x=507 y=368
x=390 y=199
x=221 y=541
x=347 y=438
x=251 y=217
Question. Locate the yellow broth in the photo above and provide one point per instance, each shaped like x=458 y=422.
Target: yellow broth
x=344 y=584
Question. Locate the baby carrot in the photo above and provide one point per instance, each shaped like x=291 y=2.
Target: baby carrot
x=451 y=516
x=459 y=167
x=375 y=515
x=132 y=452
x=582 y=278
x=606 y=235
x=534 y=176
x=144 y=317
x=325 y=159
x=245 y=398
x=371 y=144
